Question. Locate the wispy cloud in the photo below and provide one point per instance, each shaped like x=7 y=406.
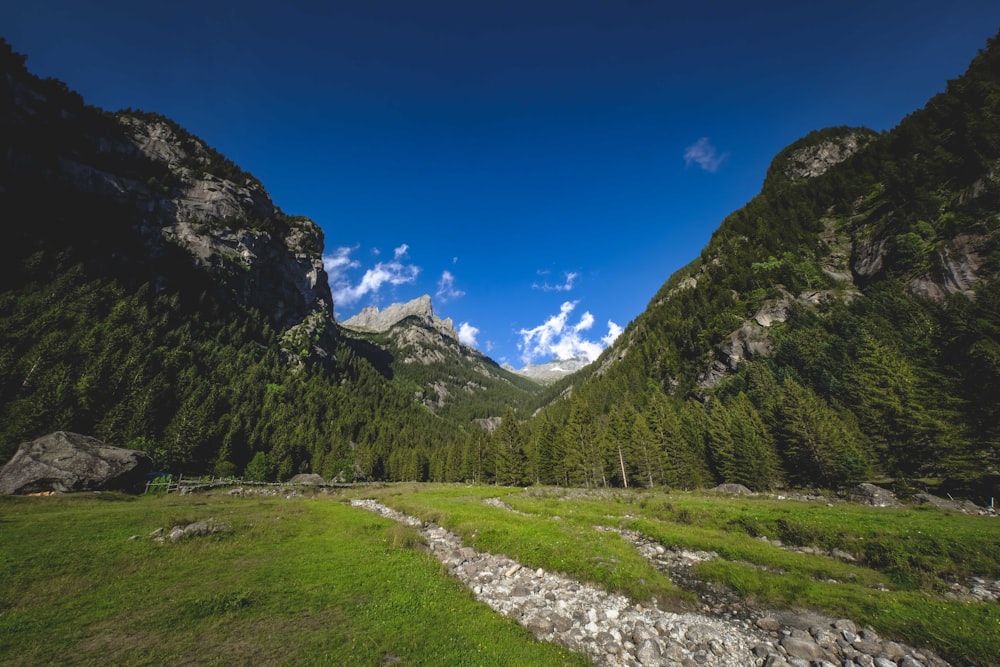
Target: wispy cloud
x=446 y=288
x=467 y=334
x=704 y=154
x=339 y=265
x=557 y=338
x=571 y=277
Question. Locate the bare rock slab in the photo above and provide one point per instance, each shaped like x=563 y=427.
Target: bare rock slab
x=65 y=462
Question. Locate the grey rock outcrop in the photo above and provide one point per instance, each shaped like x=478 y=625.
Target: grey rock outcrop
x=958 y=262
x=307 y=479
x=815 y=160
x=170 y=191
x=64 y=462
x=231 y=229
x=373 y=319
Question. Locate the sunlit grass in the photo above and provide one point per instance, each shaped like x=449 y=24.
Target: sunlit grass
x=315 y=581
x=550 y=543
x=294 y=582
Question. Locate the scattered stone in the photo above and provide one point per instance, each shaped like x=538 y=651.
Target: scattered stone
x=611 y=630
x=194 y=529
x=496 y=502
x=605 y=626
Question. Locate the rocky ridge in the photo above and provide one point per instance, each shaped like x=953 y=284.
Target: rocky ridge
x=814 y=160
x=380 y=321
x=612 y=630
x=165 y=188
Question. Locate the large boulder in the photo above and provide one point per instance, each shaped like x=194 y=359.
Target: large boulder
x=307 y=479
x=64 y=461
x=733 y=490
x=876 y=496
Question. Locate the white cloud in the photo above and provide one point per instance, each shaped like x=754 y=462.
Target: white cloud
x=467 y=334
x=401 y=251
x=614 y=331
x=555 y=338
x=446 y=288
x=571 y=277
x=703 y=154
x=339 y=264
x=339 y=261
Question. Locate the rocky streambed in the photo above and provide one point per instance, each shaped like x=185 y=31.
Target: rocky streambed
x=613 y=630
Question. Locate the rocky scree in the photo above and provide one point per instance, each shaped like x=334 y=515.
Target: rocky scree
x=612 y=630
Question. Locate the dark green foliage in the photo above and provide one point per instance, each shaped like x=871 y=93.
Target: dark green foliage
x=883 y=382
x=202 y=387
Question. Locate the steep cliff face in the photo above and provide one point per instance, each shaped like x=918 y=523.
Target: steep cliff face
x=139 y=175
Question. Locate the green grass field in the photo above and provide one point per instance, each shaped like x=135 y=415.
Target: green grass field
x=315 y=581
x=295 y=582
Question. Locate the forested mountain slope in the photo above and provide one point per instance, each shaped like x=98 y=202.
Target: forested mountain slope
x=844 y=324
x=152 y=295
x=424 y=354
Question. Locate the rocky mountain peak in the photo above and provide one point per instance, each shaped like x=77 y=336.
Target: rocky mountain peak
x=169 y=189
x=373 y=319
x=815 y=153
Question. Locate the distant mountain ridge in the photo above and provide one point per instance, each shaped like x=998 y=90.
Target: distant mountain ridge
x=424 y=352
x=551 y=371
x=372 y=319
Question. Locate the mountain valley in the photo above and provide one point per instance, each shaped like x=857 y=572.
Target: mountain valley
x=843 y=326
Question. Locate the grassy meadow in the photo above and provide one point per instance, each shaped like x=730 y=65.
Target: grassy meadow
x=311 y=580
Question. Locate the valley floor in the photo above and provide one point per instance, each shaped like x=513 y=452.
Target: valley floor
x=610 y=577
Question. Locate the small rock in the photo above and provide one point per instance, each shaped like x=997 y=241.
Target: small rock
x=768 y=624
x=648 y=653
x=893 y=651
x=798 y=647
x=540 y=626
x=869 y=647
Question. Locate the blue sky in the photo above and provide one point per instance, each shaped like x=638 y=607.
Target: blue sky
x=539 y=168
